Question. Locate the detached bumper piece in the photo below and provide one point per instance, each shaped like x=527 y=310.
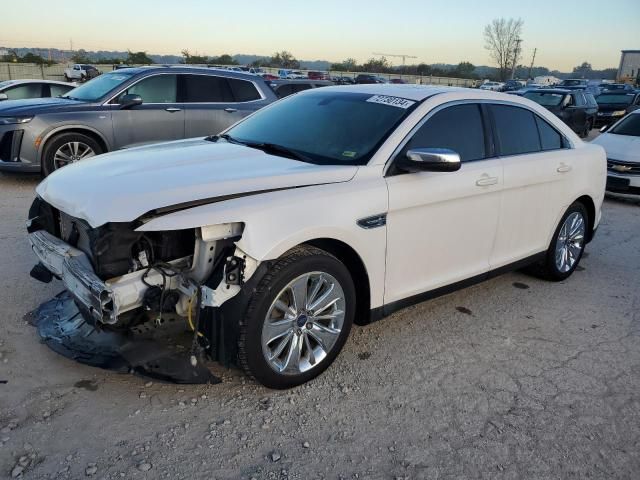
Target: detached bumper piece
x=63 y=328
x=74 y=269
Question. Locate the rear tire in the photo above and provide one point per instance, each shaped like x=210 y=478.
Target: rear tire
x=567 y=246
x=298 y=318
x=68 y=148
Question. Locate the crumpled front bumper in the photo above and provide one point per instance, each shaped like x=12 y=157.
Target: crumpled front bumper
x=73 y=267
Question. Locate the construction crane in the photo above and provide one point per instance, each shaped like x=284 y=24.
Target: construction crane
x=404 y=57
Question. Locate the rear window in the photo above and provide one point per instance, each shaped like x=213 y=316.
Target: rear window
x=243 y=91
x=205 y=89
x=546 y=99
x=516 y=130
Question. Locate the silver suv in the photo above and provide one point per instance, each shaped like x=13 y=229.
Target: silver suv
x=125 y=108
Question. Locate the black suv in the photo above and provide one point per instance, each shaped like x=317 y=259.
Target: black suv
x=576 y=108
x=612 y=106
x=284 y=88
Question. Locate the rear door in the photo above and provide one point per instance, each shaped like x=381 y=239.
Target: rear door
x=212 y=103
x=537 y=168
x=159 y=118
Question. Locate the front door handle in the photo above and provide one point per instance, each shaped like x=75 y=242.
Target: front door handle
x=230 y=110
x=563 y=168
x=485 y=181
x=172 y=109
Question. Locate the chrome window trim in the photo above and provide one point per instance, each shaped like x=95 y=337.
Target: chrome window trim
x=257 y=87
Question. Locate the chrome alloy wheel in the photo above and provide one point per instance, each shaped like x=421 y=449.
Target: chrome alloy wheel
x=71 y=152
x=570 y=242
x=303 y=323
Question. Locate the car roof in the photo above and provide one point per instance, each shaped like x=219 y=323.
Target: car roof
x=403 y=90
x=188 y=69
x=551 y=90
x=35 y=80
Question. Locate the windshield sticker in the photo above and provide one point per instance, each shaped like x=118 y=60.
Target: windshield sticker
x=349 y=154
x=392 y=101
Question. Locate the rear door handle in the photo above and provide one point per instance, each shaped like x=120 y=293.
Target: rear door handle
x=563 y=168
x=485 y=181
x=172 y=109
x=230 y=110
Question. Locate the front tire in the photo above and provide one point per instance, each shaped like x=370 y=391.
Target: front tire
x=67 y=148
x=567 y=245
x=298 y=318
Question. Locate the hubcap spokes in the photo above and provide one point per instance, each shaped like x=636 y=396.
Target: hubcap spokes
x=71 y=152
x=303 y=323
x=570 y=242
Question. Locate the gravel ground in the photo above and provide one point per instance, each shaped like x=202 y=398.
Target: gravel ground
x=514 y=378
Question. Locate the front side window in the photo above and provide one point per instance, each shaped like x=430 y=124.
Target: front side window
x=155 y=89
x=516 y=130
x=458 y=128
x=28 y=90
x=206 y=89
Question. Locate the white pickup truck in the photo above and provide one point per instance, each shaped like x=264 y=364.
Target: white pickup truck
x=81 y=72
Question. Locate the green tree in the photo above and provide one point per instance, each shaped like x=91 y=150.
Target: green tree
x=195 y=59
x=377 y=65
x=33 y=58
x=138 y=58
x=465 y=70
x=283 y=59
x=348 y=65
x=80 y=56
x=584 y=71
x=224 y=59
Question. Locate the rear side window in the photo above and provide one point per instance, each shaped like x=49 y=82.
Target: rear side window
x=301 y=87
x=458 y=128
x=57 y=90
x=579 y=99
x=516 y=130
x=243 y=91
x=205 y=89
x=284 y=91
x=550 y=139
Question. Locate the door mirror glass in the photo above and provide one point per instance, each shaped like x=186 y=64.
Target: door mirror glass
x=430 y=160
x=130 y=100
x=3 y=96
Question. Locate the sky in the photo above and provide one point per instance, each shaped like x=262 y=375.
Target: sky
x=565 y=33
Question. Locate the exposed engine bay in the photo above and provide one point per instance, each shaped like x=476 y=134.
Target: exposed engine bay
x=120 y=278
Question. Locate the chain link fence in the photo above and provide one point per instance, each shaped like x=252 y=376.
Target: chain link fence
x=15 y=71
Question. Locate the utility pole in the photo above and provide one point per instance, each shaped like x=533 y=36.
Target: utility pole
x=533 y=59
x=516 y=52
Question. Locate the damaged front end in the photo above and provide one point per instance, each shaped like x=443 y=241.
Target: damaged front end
x=119 y=277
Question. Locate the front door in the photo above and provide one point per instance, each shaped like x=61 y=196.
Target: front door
x=160 y=118
x=441 y=226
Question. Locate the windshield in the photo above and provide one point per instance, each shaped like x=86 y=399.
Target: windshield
x=630 y=125
x=546 y=99
x=618 y=99
x=98 y=87
x=335 y=128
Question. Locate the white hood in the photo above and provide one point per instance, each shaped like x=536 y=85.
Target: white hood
x=121 y=186
x=625 y=148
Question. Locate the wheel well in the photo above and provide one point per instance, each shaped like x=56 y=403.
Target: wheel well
x=82 y=131
x=587 y=201
x=350 y=258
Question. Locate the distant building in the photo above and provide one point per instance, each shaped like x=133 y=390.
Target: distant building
x=629 y=70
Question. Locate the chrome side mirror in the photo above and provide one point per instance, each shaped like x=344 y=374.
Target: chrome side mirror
x=430 y=160
x=4 y=96
x=130 y=100
x=604 y=128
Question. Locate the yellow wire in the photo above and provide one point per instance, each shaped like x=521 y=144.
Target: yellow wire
x=193 y=328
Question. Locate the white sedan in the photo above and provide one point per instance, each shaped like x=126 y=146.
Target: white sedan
x=621 y=141
x=333 y=206
x=493 y=86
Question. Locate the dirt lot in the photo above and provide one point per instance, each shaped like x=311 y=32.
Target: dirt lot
x=514 y=378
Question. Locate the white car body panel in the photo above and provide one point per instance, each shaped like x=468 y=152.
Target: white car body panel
x=121 y=186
